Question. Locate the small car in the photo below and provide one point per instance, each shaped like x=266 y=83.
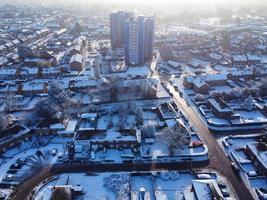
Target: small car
x=195 y=144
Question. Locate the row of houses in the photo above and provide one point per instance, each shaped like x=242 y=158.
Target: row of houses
x=201 y=84
x=11 y=45
x=40 y=86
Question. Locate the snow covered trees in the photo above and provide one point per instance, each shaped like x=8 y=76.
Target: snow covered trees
x=58 y=101
x=237 y=93
x=119 y=184
x=175 y=138
x=115 y=84
x=56 y=95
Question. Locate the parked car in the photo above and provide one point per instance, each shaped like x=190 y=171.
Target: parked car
x=262 y=193
x=195 y=144
x=142 y=193
x=16 y=166
x=93 y=156
x=60 y=156
x=236 y=171
x=225 y=192
x=252 y=174
x=239 y=148
x=21 y=160
x=235 y=167
x=225 y=144
x=230 y=141
x=39 y=153
x=222 y=186
x=9 y=177
x=203 y=176
x=54 y=152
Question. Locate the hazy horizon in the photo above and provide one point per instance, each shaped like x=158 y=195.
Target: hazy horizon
x=131 y=2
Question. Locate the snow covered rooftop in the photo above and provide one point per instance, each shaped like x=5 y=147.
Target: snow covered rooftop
x=76 y=58
x=198 y=82
x=207 y=189
x=240 y=58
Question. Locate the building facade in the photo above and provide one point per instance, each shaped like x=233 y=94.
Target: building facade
x=139 y=40
x=117 y=22
x=135 y=34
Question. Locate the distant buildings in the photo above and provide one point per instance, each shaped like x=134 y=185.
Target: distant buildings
x=117 y=21
x=136 y=35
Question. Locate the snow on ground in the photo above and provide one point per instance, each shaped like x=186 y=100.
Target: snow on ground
x=217 y=121
x=92 y=185
x=169 y=185
x=251 y=116
x=145 y=182
x=11 y=156
x=223 y=88
x=171 y=189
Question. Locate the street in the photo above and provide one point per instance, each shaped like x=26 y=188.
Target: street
x=218 y=159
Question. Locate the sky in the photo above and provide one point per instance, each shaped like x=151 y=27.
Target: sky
x=131 y=1
x=176 y=4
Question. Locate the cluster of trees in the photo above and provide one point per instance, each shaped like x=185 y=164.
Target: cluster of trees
x=256 y=89
x=10 y=105
x=58 y=101
x=236 y=93
x=124 y=111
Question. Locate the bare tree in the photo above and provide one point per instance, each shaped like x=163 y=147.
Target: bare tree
x=10 y=102
x=3 y=121
x=175 y=138
x=45 y=110
x=61 y=194
x=115 y=84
